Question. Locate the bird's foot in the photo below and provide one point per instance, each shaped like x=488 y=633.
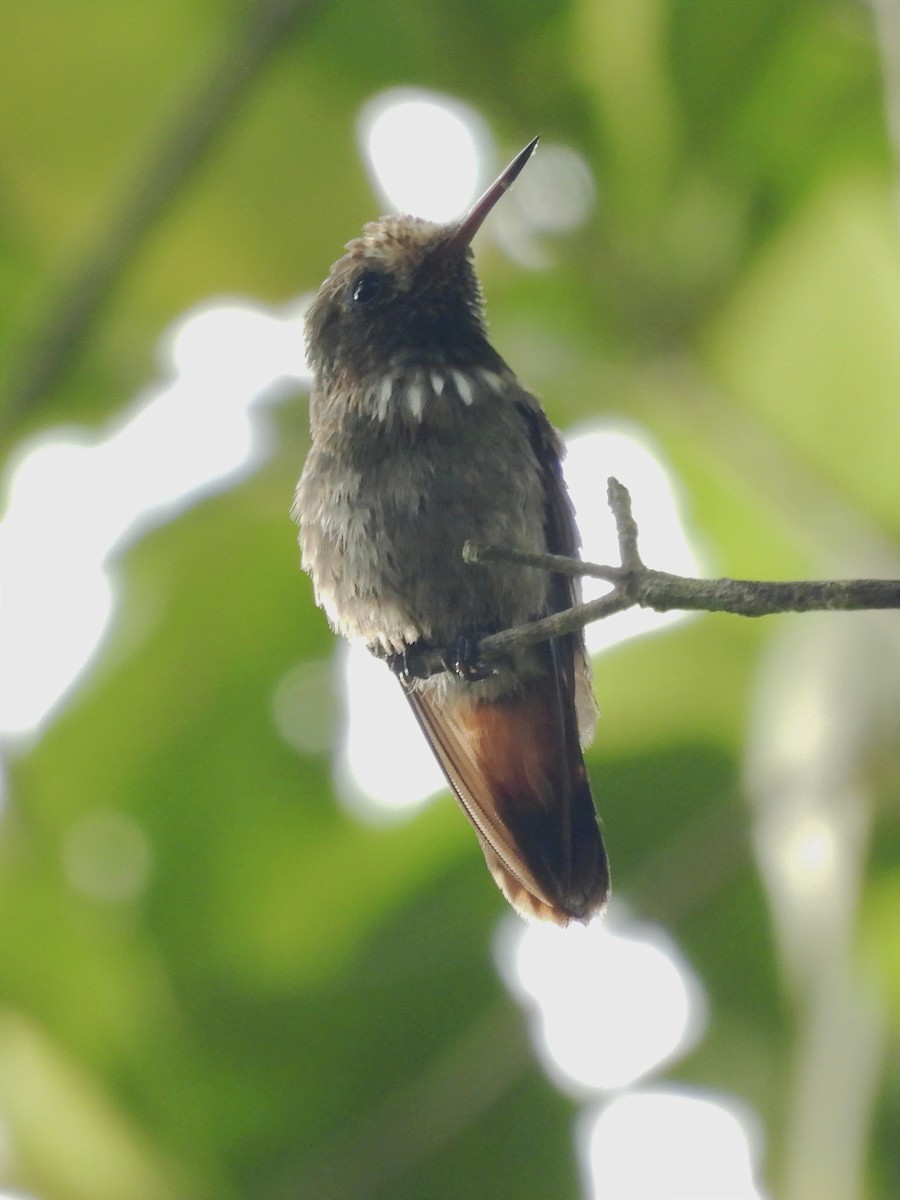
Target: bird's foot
x=463 y=659
x=400 y=663
x=460 y=658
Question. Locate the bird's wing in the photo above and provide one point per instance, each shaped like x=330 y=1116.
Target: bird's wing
x=515 y=762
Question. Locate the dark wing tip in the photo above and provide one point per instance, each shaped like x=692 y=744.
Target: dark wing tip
x=520 y=778
x=583 y=907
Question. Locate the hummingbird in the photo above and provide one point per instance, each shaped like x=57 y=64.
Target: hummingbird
x=421 y=439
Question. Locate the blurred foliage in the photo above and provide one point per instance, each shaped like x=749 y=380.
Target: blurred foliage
x=298 y=1005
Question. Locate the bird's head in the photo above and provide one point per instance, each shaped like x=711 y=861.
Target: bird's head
x=404 y=295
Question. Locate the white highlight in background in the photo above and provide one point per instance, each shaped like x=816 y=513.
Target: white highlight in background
x=424 y=151
x=670 y=1144
x=76 y=500
x=384 y=768
x=609 y=1002
x=627 y=452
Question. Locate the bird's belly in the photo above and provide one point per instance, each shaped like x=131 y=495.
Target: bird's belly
x=386 y=554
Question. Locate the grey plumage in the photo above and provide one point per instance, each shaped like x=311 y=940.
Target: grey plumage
x=423 y=438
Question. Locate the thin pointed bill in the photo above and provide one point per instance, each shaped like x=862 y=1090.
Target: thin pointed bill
x=474 y=218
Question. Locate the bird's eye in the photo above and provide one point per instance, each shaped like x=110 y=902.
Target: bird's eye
x=368 y=287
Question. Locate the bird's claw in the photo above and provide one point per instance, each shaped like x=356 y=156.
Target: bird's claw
x=464 y=661
x=401 y=665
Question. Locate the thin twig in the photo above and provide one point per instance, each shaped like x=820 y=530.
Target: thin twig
x=626 y=527
x=557 y=563
x=635 y=585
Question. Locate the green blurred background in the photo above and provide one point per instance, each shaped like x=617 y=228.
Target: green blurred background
x=297 y=1004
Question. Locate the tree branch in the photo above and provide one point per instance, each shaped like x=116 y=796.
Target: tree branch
x=635 y=585
x=74 y=310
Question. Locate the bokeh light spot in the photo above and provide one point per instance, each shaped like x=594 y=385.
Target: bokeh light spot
x=671 y=1145
x=384 y=766
x=557 y=192
x=77 y=499
x=595 y=452
x=107 y=856
x=425 y=151
x=305 y=707
x=608 y=1006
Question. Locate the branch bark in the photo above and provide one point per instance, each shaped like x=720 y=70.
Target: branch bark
x=636 y=585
